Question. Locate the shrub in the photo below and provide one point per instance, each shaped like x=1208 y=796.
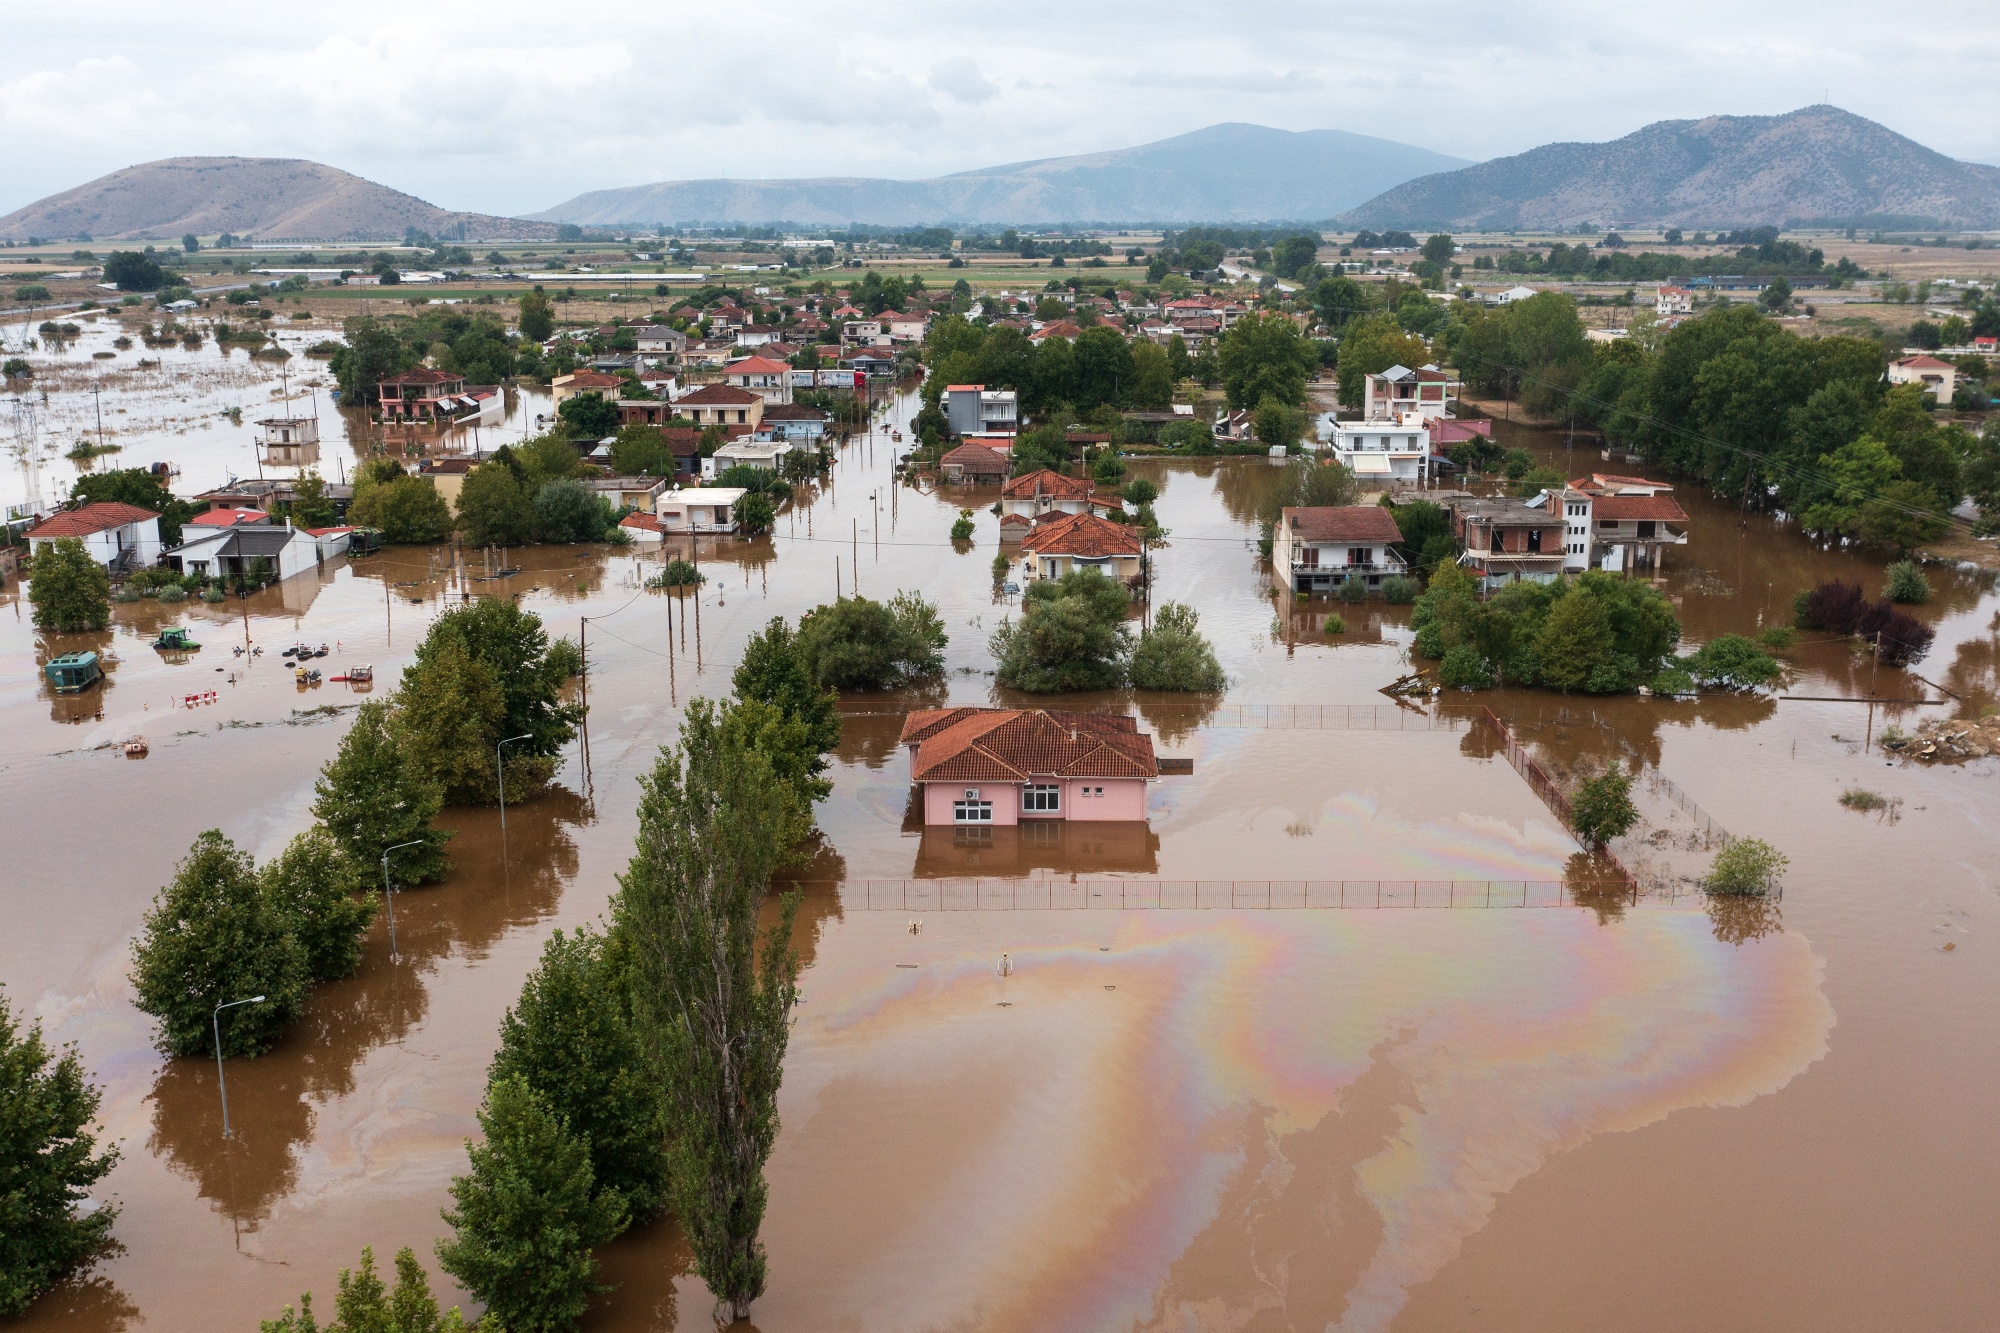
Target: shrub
x=1778 y=636
x=1173 y=655
x=173 y=596
x=1900 y=638
x=1732 y=662
x=961 y=531
x=1399 y=591
x=754 y=514
x=128 y=594
x=1745 y=866
x=212 y=595
x=1334 y=625
x=213 y=937
x=1464 y=668
x=1906 y=583
x=1834 y=607
x=366 y=1304
x=1860 y=798
x=48 y=1164
x=1602 y=808
x=1001 y=564
x=1353 y=589
x=677 y=573
x=1672 y=680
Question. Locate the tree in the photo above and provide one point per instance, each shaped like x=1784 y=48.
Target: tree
x=643 y=451
x=213 y=936
x=449 y=717
x=323 y=897
x=1906 y=583
x=493 y=510
x=1103 y=364
x=776 y=669
x=1370 y=345
x=1602 y=808
x=1439 y=249
x=136 y=486
x=1071 y=636
x=528 y=1215
x=1173 y=655
x=569 y=1039
x=69 y=590
x=1151 y=388
x=712 y=996
x=366 y=1305
x=1293 y=253
x=754 y=513
x=1745 y=867
x=134 y=271
x=406 y=510
x=567 y=510
x=370 y=798
x=538 y=316
x=371 y=352
x=48 y=1164
x=856 y=644
x=1304 y=484
x=1179 y=367
x=1854 y=473
x=1139 y=491
x=1575 y=644
x=1277 y=425
x=1339 y=299
x=1265 y=355
x=311 y=506
x=1904 y=517
x=588 y=416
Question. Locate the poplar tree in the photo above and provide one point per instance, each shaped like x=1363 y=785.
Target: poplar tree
x=370 y=799
x=712 y=996
x=317 y=889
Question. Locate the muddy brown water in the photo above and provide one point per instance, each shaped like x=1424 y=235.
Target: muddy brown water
x=1643 y=1115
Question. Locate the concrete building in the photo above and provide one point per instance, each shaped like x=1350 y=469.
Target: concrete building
x=1003 y=766
x=223 y=552
x=721 y=405
x=1382 y=452
x=1317 y=549
x=1400 y=391
x=1939 y=377
x=1508 y=540
x=1616 y=523
x=118 y=536
x=974 y=409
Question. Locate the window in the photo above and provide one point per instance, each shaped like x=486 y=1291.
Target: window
x=972 y=811
x=1043 y=797
x=1357 y=555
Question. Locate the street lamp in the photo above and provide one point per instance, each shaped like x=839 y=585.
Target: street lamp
x=388 y=895
x=501 y=764
x=216 y=1020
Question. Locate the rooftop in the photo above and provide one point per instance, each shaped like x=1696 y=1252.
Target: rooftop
x=1628 y=508
x=714 y=394
x=1343 y=523
x=1014 y=745
x=1085 y=535
x=102 y=516
x=1044 y=482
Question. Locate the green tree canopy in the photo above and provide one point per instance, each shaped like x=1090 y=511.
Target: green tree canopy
x=1071 y=636
x=857 y=644
x=49 y=1164
x=493 y=510
x=370 y=798
x=68 y=589
x=406 y=510
x=1266 y=355
x=371 y=353
x=1372 y=344
x=213 y=936
x=324 y=896
x=1173 y=655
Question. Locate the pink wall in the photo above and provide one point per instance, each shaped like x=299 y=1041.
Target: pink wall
x=1123 y=799
x=939 y=796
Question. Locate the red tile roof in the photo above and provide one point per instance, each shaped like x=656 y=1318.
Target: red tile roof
x=756 y=365
x=1624 y=508
x=102 y=516
x=423 y=376
x=1084 y=535
x=1613 y=479
x=590 y=379
x=1343 y=523
x=1060 y=328
x=226 y=518
x=1044 y=482
x=975 y=458
x=1450 y=430
x=1925 y=363
x=713 y=394
x=1015 y=745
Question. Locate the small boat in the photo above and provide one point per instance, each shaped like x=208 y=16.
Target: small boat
x=135 y=748
x=355 y=675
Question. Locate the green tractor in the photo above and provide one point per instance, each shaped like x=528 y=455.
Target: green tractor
x=175 y=640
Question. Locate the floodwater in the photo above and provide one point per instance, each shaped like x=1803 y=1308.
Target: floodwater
x=1582 y=1113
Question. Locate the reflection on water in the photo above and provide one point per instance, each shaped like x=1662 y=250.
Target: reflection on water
x=1739 y=918
x=1070 y=847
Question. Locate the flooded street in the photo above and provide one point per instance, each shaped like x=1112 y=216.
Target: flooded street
x=1458 y=1109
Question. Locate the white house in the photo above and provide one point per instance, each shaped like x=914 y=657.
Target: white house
x=1673 y=301
x=1319 y=548
x=766 y=454
x=768 y=379
x=1511 y=295
x=1616 y=523
x=1939 y=377
x=236 y=550
x=974 y=409
x=1427 y=392
x=1387 y=451
x=118 y=536
x=699 y=509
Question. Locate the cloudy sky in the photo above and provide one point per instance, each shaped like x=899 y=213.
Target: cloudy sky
x=505 y=107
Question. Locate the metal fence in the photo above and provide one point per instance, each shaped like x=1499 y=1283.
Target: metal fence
x=1016 y=895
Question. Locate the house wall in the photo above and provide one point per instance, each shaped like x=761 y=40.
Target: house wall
x=1123 y=799
x=1043 y=566
x=1006 y=798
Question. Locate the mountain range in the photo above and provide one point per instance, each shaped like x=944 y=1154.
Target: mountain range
x=273 y=198
x=1815 y=164
x=1225 y=173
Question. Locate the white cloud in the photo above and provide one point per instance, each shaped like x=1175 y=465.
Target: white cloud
x=508 y=107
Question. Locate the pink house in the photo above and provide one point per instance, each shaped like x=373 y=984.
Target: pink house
x=988 y=766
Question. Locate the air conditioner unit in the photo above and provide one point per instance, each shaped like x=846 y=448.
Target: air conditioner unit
x=971 y=793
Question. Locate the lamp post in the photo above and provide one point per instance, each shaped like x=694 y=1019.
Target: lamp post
x=500 y=763
x=215 y=1019
x=388 y=895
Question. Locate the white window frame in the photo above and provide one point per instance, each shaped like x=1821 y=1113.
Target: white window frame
x=1042 y=798
x=972 y=810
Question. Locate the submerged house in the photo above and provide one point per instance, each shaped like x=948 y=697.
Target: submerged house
x=988 y=766
x=1318 y=548
x=117 y=535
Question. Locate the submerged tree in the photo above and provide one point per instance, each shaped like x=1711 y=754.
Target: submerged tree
x=68 y=588
x=1173 y=654
x=1071 y=636
x=712 y=1007
x=323 y=896
x=48 y=1164
x=1602 y=808
x=370 y=798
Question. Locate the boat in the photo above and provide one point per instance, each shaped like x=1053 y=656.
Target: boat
x=73 y=672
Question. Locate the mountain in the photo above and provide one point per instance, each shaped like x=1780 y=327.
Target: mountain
x=1225 y=173
x=273 y=198
x=1816 y=163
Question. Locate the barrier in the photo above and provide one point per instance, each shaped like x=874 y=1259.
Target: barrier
x=1127 y=895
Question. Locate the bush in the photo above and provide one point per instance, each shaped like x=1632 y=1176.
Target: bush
x=128 y=594
x=1602 y=808
x=677 y=573
x=48 y=1164
x=1173 y=655
x=1833 y=606
x=1745 y=866
x=1071 y=636
x=365 y=1304
x=754 y=514
x=213 y=936
x=1001 y=564
x=961 y=530
x=173 y=596
x=1334 y=625
x=1672 y=680
x=1906 y=583
x=1860 y=798
x=212 y=595
x=1463 y=668
x=1399 y=591
x=1899 y=637
x=1732 y=662
x=1778 y=636
x=857 y=644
